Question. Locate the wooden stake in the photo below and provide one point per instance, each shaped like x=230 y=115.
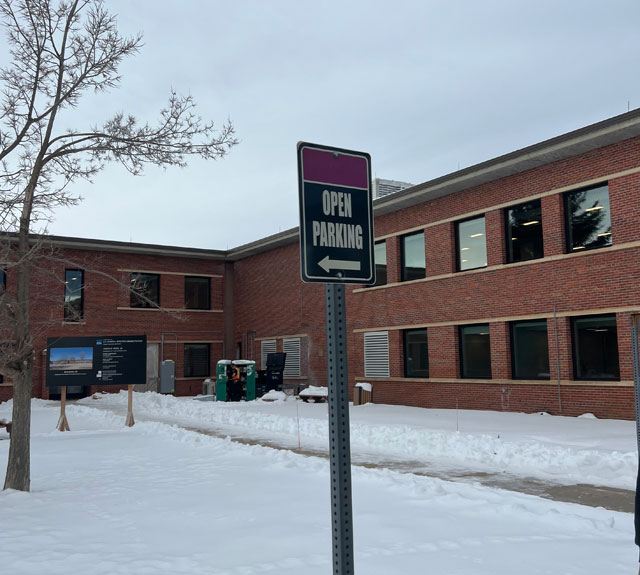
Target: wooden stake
x=63 y=424
x=130 y=421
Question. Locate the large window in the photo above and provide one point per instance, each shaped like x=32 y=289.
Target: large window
x=413 y=259
x=145 y=290
x=523 y=231
x=73 y=295
x=416 y=354
x=475 y=351
x=196 y=292
x=530 y=349
x=380 y=258
x=595 y=347
x=588 y=219
x=376 y=354
x=196 y=360
x=471 y=243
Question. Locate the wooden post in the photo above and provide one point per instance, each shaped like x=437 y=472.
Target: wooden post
x=63 y=424
x=130 y=421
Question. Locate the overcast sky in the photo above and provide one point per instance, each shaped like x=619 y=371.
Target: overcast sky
x=425 y=87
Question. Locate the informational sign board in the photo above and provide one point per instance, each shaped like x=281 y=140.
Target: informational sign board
x=336 y=215
x=113 y=360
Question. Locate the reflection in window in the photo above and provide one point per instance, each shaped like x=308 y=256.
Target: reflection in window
x=380 y=255
x=472 y=244
x=595 y=347
x=196 y=360
x=530 y=349
x=196 y=292
x=524 y=232
x=145 y=290
x=475 y=351
x=588 y=219
x=416 y=354
x=413 y=259
x=73 y=295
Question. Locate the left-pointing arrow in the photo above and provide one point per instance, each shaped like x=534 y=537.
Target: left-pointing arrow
x=328 y=264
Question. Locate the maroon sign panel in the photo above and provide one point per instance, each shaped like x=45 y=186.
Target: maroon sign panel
x=336 y=215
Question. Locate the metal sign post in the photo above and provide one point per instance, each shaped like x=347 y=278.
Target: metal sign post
x=336 y=247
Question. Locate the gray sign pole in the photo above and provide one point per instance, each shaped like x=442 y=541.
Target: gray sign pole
x=339 y=441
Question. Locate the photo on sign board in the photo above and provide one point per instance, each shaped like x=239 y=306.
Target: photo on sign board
x=71 y=358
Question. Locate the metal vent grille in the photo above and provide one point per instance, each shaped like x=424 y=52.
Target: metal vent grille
x=292 y=362
x=267 y=346
x=376 y=354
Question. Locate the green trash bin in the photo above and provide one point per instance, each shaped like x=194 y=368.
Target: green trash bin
x=222 y=376
x=247 y=377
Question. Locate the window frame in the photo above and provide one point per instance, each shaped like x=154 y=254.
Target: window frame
x=568 y=236
x=403 y=266
x=70 y=316
x=375 y=263
x=186 y=299
x=184 y=362
x=508 y=234
x=458 y=246
x=574 y=347
x=405 y=333
x=512 y=340
x=461 y=351
x=134 y=298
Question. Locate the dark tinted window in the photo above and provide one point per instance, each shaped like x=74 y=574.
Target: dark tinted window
x=73 y=295
x=196 y=360
x=145 y=290
x=595 y=347
x=588 y=219
x=524 y=232
x=413 y=259
x=196 y=292
x=530 y=349
x=416 y=355
x=475 y=351
x=472 y=244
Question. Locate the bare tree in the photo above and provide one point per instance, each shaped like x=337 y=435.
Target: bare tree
x=61 y=51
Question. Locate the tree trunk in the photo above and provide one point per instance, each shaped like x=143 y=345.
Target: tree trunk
x=18 y=466
x=19 y=463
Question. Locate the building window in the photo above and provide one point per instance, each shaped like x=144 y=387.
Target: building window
x=475 y=351
x=291 y=346
x=267 y=346
x=196 y=292
x=472 y=244
x=145 y=290
x=380 y=258
x=376 y=354
x=523 y=229
x=416 y=355
x=530 y=349
x=196 y=360
x=413 y=259
x=73 y=295
x=595 y=347
x=3 y=279
x=588 y=219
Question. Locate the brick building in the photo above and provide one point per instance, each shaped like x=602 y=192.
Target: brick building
x=509 y=285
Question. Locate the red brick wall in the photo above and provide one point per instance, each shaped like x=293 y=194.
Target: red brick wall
x=605 y=279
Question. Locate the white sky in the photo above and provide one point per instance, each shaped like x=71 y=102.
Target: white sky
x=425 y=87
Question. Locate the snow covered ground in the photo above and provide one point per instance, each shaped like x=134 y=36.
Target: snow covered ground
x=156 y=498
